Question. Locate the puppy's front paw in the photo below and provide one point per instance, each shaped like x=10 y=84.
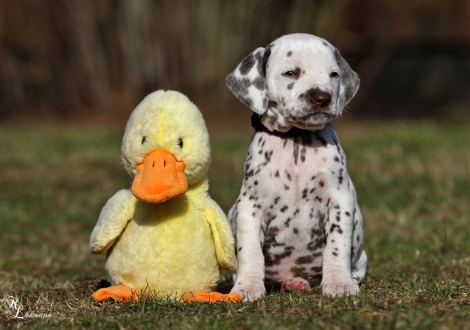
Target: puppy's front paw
x=340 y=288
x=249 y=290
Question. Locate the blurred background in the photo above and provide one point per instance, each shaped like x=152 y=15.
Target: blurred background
x=87 y=60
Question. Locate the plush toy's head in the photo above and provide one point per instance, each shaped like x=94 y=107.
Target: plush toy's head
x=165 y=146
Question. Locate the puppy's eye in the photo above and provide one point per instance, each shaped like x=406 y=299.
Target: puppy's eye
x=334 y=74
x=180 y=143
x=144 y=139
x=290 y=74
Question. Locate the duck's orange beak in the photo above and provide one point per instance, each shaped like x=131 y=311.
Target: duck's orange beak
x=160 y=177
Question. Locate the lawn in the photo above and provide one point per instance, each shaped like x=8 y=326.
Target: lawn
x=413 y=185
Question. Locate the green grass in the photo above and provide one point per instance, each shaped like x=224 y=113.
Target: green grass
x=413 y=184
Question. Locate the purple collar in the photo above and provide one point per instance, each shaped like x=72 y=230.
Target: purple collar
x=259 y=127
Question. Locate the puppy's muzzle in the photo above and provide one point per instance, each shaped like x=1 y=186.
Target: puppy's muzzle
x=316 y=98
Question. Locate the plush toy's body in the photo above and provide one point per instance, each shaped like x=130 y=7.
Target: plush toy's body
x=165 y=234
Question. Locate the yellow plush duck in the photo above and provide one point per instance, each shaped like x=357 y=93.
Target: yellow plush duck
x=165 y=234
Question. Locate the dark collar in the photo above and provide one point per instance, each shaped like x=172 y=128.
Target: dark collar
x=259 y=127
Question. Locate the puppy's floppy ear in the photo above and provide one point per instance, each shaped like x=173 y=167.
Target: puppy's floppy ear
x=349 y=80
x=248 y=80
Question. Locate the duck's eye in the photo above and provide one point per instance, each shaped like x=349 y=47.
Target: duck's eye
x=144 y=139
x=290 y=74
x=334 y=74
x=180 y=143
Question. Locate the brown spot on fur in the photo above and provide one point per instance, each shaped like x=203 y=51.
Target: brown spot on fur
x=304 y=260
x=271 y=272
x=337 y=228
x=304 y=193
x=316 y=269
x=272 y=104
x=288 y=176
x=247 y=63
x=275 y=259
x=297 y=271
x=296 y=152
x=287 y=222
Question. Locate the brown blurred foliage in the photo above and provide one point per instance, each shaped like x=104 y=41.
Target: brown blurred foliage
x=82 y=58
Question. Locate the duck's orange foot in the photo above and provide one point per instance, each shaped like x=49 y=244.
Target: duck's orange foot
x=208 y=297
x=120 y=293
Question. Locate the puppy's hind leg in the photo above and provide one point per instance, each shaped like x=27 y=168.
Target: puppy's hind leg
x=359 y=269
x=232 y=220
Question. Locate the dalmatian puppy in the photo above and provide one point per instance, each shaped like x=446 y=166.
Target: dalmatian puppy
x=296 y=221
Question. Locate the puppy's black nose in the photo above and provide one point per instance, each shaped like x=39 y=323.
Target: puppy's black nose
x=316 y=98
x=321 y=99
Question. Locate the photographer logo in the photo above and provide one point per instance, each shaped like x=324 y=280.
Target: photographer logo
x=13 y=308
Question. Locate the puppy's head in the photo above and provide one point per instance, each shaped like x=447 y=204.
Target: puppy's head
x=298 y=80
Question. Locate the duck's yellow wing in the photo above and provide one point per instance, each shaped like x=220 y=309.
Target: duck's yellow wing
x=225 y=253
x=114 y=216
x=222 y=234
